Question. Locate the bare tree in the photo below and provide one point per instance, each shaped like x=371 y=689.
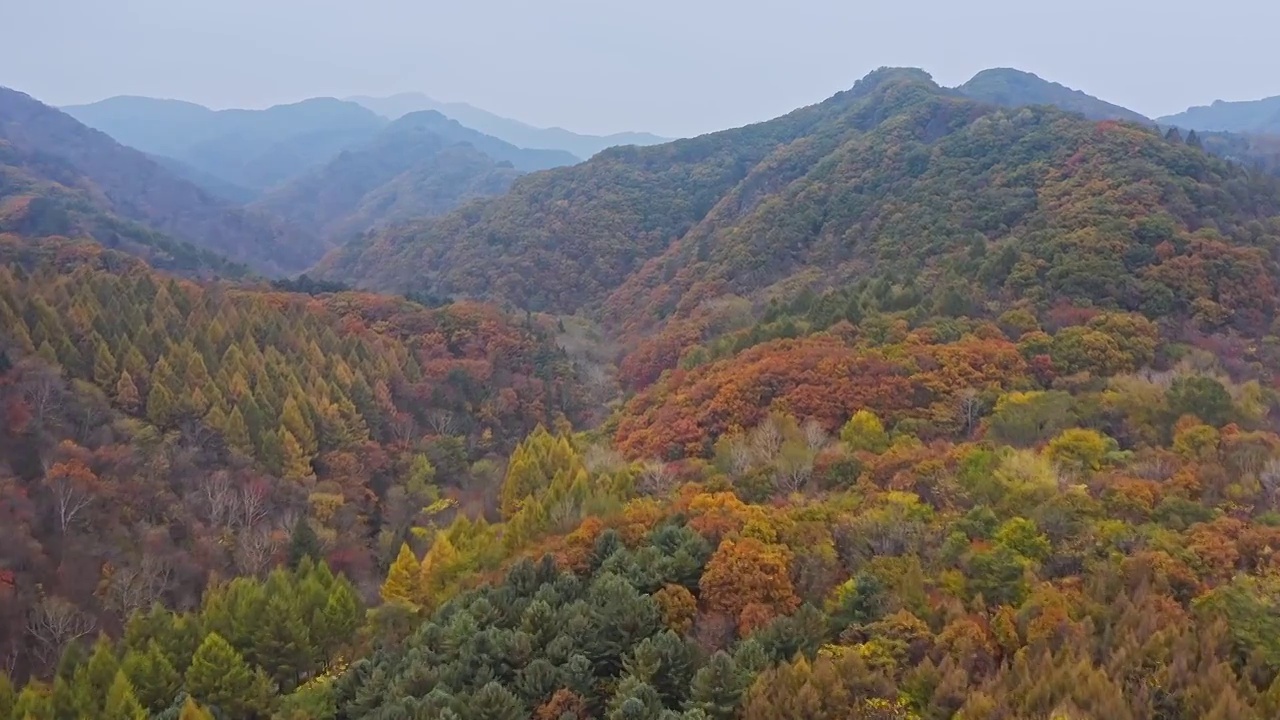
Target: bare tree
x=135 y=587
x=53 y=623
x=741 y=455
x=442 y=422
x=403 y=428
x=252 y=504
x=793 y=467
x=43 y=389
x=766 y=440
x=969 y=404
x=815 y=436
x=255 y=549
x=219 y=495
x=656 y=478
x=1269 y=477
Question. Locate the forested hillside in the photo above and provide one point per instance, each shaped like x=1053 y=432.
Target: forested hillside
x=421 y=165
x=159 y=433
x=51 y=147
x=930 y=409
x=1248 y=116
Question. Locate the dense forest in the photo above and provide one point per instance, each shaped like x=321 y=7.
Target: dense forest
x=903 y=406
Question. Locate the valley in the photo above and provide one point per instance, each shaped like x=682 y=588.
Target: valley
x=914 y=403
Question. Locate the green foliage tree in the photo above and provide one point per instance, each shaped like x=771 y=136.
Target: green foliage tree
x=864 y=431
x=220 y=678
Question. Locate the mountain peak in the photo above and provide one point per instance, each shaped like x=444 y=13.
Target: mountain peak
x=1011 y=87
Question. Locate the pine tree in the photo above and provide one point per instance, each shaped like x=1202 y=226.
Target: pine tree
x=340 y=618
x=121 y=703
x=94 y=678
x=270 y=451
x=280 y=637
x=127 y=393
x=104 y=364
x=295 y=463
x=404 y=579
x=237 y=432
x=192 y=711
x=155 y=681
x=35 y=702
x=161 y=409
x=293 y=420
x=495 y=702
x=439 y=567
x=717 y=688
x=220 y=678
x=303 y=542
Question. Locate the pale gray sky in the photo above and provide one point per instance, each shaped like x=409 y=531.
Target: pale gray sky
x=674 y=67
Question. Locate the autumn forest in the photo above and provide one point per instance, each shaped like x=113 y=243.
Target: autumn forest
x=917 y=403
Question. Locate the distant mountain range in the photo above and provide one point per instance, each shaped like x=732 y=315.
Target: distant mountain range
x=83 y=183
x=513 y=131
x=1254 y=116
x=421 y=165
x=250 y=149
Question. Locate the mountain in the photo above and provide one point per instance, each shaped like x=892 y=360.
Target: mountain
x=948 y=201
x=419 y=166
x=53 y=150
x=931 y=409
x=1015 y=88
x=1253 y=116
x=512 y=131
x=253 y=149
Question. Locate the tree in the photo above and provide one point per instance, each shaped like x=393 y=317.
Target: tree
x=864 y=431
x=237 y=431
x=94 y=678
x=126 y=393
x=748 y=572
x=73 y=486
x=155 y=682
x=161 y=406
x=220 y=678
x=303 y=542
x=717 y=688
x=295 y=463
x=404 y=579
x=1201 y=396
x=192 y=711
x=121 y=703
x=1079 y=450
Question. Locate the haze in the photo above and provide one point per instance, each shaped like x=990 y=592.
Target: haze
x=673 y=68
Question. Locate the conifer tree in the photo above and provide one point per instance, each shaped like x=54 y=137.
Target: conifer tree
x=35 y=702
x=127 y=396
x=404 y=579
x=192 y=711
x=154 y=679
x=104 y=364
x=295 y=463
x=303 y=542
x=717 y=688
x=237 y=431
x=94 y=678
x=121 y=704
x=220 y=678
x=161 y=408
x=293 y=420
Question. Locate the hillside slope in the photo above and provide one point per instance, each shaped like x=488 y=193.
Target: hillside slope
x=421 y=165
x=512 y=131
x=128 y=185
x=253 y=149
x=896 y=174
x=1015 y=88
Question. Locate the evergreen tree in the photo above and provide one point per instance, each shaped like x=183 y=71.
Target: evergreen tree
x=220 y=678
x=495 y=702
x=121 y=704
x=155 y=681
x=404 y=579
x=340 y=618
x=237 y=432
x=717 y=688
x=192 y=711
x=293 y=420
x=35 y=702
x=295 y=464
x=303 y=543
x=161 y=407
x=94 y=678
x=127 y=396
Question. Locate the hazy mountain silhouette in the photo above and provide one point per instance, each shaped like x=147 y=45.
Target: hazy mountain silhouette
x=513 y=131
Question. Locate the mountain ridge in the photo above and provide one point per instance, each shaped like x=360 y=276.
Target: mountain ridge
x=138 y=189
